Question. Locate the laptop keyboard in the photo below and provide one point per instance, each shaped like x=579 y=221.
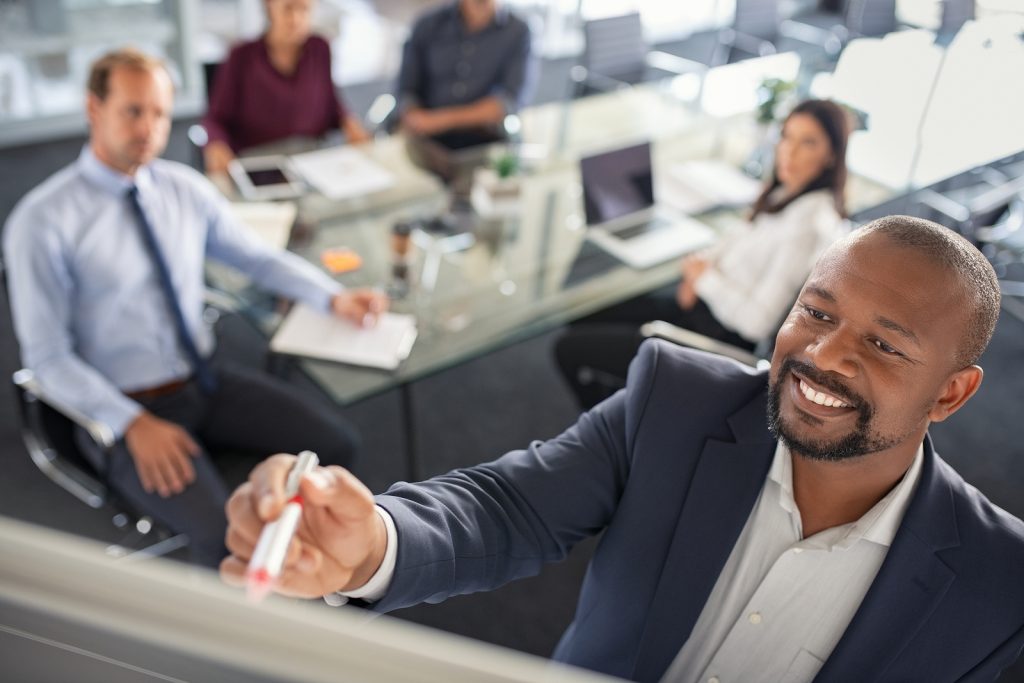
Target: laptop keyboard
x=652 y=225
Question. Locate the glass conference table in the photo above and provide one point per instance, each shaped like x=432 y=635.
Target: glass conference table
x=496 y=280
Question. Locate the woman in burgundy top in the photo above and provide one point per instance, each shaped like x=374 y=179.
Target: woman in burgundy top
x=275 y=87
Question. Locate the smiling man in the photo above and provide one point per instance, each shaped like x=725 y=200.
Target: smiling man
x=789 y=526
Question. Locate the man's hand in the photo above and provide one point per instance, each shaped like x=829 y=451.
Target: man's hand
x=340 y=541
x=361 y=306
x=216 y=157
x=425 y=121
x=162 y=452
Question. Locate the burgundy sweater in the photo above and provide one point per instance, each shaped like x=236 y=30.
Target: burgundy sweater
x=251 y=103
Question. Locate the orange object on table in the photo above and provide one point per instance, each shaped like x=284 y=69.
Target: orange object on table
x=341 y=260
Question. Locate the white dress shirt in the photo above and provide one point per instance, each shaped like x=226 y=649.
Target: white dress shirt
x=782 y=602
x=758 y=267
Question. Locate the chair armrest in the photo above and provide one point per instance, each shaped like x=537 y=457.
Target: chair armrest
x=660 y=329
x=222 y=301
x=832 y=39
x=663 y=61
x=944 y=205
x=583 y=76
x=25 y=380
x=748 y=43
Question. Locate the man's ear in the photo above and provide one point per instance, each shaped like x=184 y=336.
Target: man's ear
x=92 y=106
x=960 y=386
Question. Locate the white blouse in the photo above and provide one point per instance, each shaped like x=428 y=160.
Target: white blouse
x=758 y=268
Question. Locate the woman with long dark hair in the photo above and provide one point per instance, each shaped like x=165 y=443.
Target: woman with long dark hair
x=738 y=290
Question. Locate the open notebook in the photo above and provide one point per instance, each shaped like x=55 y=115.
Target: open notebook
x=306 y=332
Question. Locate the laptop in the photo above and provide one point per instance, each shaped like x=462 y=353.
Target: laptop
x=622 y=219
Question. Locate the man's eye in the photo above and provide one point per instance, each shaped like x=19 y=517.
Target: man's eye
x=885 y=348
x=815 y=313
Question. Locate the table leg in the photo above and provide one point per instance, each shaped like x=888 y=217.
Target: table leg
x=412 y=465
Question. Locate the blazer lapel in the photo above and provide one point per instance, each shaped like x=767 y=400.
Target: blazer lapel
x=725 y=485
x=909 y=586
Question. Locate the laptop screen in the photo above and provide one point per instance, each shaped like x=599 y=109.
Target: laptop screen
x=617 y=183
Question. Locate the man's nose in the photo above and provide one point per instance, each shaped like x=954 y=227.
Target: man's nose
x=834 y=351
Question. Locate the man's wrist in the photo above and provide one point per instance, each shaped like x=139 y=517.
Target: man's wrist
x=377 y=584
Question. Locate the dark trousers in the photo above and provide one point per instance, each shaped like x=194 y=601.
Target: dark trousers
x=594 y=353
x=250 y=413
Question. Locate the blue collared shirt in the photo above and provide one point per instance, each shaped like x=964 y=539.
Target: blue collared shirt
x=444 y=65
x=88 y=310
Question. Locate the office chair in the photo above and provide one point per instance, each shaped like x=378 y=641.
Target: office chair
x=616 y=55
x=754 y=31
x=1003 y=244
x=955 y=13
x=832 y=31
x=659 y=329
x=47 y=429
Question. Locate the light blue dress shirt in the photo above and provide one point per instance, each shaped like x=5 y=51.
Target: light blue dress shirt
x=88 y=310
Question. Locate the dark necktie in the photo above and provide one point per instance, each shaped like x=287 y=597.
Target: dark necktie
x=204 y=375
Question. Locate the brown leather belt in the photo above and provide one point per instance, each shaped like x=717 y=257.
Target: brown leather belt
x=157 y=392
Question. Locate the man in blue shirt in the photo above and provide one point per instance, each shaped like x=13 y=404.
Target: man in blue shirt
x=105 y=264
x=465 y=66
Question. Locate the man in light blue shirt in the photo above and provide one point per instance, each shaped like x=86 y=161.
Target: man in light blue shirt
x=105 y=264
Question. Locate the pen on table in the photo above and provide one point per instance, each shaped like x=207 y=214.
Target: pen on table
x=272 y=547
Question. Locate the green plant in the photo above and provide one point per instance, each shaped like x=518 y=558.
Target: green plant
x=506 y=165
x=769 y=94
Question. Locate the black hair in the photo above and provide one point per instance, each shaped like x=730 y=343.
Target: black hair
x=951 y=250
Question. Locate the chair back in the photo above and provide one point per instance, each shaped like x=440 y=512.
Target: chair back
x=615 y=47
x=757 y=18
x=870 y=17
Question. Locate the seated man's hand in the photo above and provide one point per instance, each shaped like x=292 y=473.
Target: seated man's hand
x=216 y=157
x=340 y=541
x=425 y=121
x=162 y=452
x=361 y=306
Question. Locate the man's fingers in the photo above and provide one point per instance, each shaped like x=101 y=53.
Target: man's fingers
x=241 y=513
x=181 y=463
x=188 y=444
x=239 y=543
x=339 y=491
x=268 y=480
x=232 y=571
x=172 y=480
x=146 y=476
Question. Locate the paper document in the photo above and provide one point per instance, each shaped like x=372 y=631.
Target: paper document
x=342 y=172
x=271 y=221
x=698 y=186
x=306 y=332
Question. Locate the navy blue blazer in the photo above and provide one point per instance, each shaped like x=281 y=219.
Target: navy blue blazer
x=669 y=469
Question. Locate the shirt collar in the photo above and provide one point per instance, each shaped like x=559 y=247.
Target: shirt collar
x=109 y=180
x=501 y=16
x=878 y=525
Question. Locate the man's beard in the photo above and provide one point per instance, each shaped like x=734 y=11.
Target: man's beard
x=857 y=443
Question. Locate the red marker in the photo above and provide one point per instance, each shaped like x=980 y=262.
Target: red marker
x=272 y=548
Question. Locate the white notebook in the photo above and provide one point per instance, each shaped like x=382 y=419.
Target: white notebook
x=342 y=172
x=306 y=332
